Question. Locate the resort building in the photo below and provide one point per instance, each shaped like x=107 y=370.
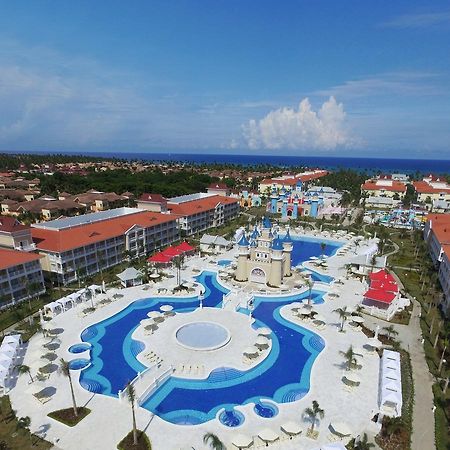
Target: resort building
x=210 y=243
x=96 y=200
x=290 y=182
x=263 y=256
x=384 y=187
x=20 y=276
x=219 y=189
x=201 y=211
x=15 y=235
x=152 y=202
x=432 y=188
x=78 y=246
x=437 y=236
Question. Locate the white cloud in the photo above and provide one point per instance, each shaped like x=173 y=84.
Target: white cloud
x=423 y=20
x=302 y=128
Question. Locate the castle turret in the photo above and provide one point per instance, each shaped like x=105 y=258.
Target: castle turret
x=295 y=208
x=241 y=271
x=284 y=207
x=276 y=269
x=287 y=251
x=314 y=207
x=273 y=201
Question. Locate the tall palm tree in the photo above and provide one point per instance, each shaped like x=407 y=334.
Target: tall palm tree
x=441 y=361
x=391 y=331
x=310 y=284
x=213 y=441
x=313 y=412
x=131 y=396
x=350 y=358
x=22 y=368
x=23 y=423
x=64 y=369
x=178 y=263
x=364 y=443
x=343 y=315
x=323 y=246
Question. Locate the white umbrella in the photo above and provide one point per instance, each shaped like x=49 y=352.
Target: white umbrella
x=153 y=314
x=262 y=341
x=291 y=428
x=166 y=308
x=251 y=350
x=352 y=377
x=242 y=441
x=268 y=435
x=319 y=318
x=375 y=343
x=357 y=319
x=341 y=428
x=154 y=275
x=264 y=331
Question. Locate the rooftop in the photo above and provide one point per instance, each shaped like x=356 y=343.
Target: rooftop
x=10 y=258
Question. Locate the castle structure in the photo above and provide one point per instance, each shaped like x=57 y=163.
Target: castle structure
x=294 y=203
x=264 y=257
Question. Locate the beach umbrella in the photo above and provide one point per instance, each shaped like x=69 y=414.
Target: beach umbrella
x=166 y=308
x=341 y=428
x=153 y=314
x=251 y=351
x=154 y=276
x=264 y=331
x=262 y=341
x=291 y=428
x=357 y=319
x=242 y=441
x=268 y=435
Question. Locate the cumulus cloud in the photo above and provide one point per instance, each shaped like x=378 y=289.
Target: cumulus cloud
x=302 y=128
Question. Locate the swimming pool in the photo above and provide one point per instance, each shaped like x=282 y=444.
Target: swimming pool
x=280 y=377
x=202 y=335
x=224 y=262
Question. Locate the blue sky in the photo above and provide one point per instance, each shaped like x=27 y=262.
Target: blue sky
x=294 y=77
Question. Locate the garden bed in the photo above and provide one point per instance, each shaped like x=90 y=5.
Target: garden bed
x=67 y=416
x=127 y=442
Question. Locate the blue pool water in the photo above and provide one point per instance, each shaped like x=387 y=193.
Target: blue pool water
x=79 y=363
x=231 y=418
x=305 y=247
x=224 y=262
x=280 y=377
x=266 y=410
x=79 y=348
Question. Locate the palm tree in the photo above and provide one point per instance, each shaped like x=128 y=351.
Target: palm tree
x=313 y=412
x=22 y=368
x=391 y=331
x=364 y=443
x=323 y=246
x=64 y=369
x=310 y=284
x=393 y=425
x=350 y=358
x=131 y=395
x=343 y=314
x=23 y=423
x=178 y=263
x=213 y=441
x=441 y=361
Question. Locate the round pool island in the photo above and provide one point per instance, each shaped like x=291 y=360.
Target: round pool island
x=202 y=336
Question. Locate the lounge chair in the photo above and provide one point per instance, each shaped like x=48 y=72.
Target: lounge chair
x=42 y=398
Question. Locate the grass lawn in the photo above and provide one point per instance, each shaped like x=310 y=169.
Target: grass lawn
x=127 y=442
x=13 y=438
x=67 y=416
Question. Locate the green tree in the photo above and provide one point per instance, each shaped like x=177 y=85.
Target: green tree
x=313 y=412
x=364 y=443
x=64 y=369
x=213 y=441
x=310 y=284
x=178 y=264
x=350 y=358
x=391 y=331
x=22 y=369
x=343 y=315
x=131 y=396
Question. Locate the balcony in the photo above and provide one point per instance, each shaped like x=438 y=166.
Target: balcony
x=26 y=248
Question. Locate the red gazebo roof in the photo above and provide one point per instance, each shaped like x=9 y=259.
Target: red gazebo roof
x=385 y=286
x=185 y=247
x=172 y=251
x=383 y=276
x=379 y=295
x=159 y=258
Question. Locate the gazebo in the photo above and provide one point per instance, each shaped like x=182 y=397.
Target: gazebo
x=130 y=277
x=185 y=248
x=160 y=259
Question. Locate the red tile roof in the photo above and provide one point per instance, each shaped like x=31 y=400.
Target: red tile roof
x=10 y=258
x=422 y=187
x=221 y=186
x=153 y=198
x=70 y=238
x=200 y=205
x=11 y=224
x=185 y=247
x=397 y=186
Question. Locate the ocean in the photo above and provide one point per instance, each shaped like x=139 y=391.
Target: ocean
x=370 y=165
